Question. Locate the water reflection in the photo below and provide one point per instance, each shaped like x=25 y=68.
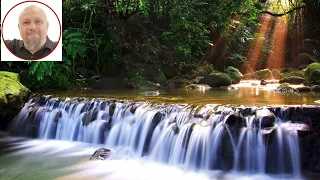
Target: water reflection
x=245 y=93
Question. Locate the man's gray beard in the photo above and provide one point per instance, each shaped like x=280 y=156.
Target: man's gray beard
x=33 y=45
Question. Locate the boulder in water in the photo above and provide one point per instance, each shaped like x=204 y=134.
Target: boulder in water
x=101 y=154
x=13 y=95
x=285 y=87
x=234 y=74
x=312 y=77
x=216 y=80
x=304 y=89
x=266 y=118
x=292 y=80
x=315 y=88
x=263 y=82
x=151 y=93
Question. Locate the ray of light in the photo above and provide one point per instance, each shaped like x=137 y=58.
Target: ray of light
x=255 y=50
x=278 y=46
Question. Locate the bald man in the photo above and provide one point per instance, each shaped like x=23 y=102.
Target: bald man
x=33 y=26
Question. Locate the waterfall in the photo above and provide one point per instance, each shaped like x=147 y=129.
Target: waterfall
x=206 y=138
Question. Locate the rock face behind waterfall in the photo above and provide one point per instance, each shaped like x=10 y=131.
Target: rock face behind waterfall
x=250 y=139
x=13 y=95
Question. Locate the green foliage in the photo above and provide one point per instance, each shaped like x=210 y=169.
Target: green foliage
x=74 y=43
x=205 y=69
x=187 y=38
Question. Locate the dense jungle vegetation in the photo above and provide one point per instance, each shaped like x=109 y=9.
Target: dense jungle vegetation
x=163 y=39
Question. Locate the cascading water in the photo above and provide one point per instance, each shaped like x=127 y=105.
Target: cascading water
x=196 y=138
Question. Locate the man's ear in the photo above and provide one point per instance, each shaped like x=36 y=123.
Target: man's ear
x=47 y=24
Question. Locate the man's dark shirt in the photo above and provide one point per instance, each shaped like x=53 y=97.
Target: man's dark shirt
x=17 y=47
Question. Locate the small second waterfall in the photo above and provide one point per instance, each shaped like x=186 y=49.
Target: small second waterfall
x=199 y=138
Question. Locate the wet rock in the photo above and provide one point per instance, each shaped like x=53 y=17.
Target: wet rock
x=112 y=107
x=263 y=82
x=216 y=80
x=89 y=116
x=315 y=88
x=267 y=131
x=304 y=89
x=266 y=118
x=101 y=154
x=292 y=80
x=150 y=93
x=133 y=108
x=285 y=87
x=235 y=120
x=175 y=128
x=57 y=114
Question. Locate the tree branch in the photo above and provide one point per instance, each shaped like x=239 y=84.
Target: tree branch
x=285 y=13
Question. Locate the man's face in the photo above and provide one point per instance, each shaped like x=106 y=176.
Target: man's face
x=33 y=28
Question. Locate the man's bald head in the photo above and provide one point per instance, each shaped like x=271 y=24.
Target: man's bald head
x=33 y=26
x=31 y=10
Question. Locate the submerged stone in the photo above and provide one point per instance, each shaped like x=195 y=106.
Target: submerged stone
x=101 y=154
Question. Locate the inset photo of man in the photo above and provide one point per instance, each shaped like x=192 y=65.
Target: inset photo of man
x=31 y=30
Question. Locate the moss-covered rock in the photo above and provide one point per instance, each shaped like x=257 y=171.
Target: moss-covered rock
x=315 y=77
x=293 y=72
x=303 y=60
x=312 y=74
x=285 y=87
x=261 y=74
x=292 y=80
x=216 y=80
x=276 y=74
x=13 y=95
x=234 y=74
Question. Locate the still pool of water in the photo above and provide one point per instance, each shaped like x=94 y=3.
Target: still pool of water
x=22 y=158
x=241 y=94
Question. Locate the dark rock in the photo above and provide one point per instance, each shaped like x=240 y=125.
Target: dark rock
x=112 y=107
x=235 y=120
x=170 y=71
x=303 y=59
x=266 y=118
x=133 y=108
x=263 y=82
x=292 y=80
x=315 y=88
x=101 y=154
x=304 y=89
x=175 y=128
x=178 y=83
x=216 y=80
